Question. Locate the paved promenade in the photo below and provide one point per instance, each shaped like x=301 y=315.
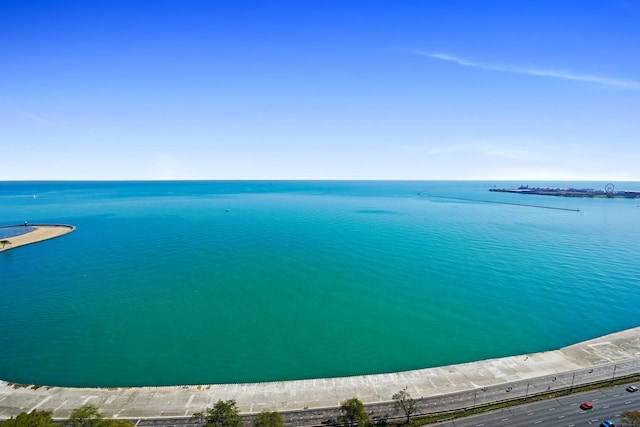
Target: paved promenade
x=436 y=389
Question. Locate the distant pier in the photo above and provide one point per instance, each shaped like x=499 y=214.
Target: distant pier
x=608 y=192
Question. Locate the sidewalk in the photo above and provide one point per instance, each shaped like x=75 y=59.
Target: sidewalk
x=444 y=388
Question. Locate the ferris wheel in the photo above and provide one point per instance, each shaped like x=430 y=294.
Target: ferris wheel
x=608 y=188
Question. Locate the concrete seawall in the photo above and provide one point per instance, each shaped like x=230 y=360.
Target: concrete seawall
x=441 y=388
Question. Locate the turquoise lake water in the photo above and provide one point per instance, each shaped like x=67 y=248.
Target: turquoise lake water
x=216 y=282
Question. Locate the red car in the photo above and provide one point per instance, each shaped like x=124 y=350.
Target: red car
x=586 y=405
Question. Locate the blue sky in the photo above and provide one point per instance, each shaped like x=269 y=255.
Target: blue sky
x=431 y=89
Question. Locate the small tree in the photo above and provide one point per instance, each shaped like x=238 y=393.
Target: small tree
x=89 y=416
x=85 y=416
x=268 y=419
x=34 y=418
x=403 y=402
x=631 y=418
x=110 y=422
x=198 y=417
x=353 y=413
x=223 y=414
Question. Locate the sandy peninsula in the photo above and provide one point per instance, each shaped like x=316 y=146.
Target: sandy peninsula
x=38 y=234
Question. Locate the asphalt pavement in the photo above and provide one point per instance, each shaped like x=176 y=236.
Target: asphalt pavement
x=608 y=404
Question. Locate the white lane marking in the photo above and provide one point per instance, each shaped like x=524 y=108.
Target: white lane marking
x=189 y=401
x=60 y=406
x=88 y=398
x=46 y=399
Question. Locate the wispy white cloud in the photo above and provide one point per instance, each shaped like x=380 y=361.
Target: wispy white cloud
x=624 y=84
x=473 y=149
x=39 y=119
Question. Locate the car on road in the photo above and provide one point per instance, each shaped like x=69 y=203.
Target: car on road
x=607 y=423
x=631 y=388
x=586 y=405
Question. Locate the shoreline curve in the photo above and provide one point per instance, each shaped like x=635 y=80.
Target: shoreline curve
x=436 y=389
x=39 y=233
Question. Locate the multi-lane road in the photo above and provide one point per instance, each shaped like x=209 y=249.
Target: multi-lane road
x=608 y=404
